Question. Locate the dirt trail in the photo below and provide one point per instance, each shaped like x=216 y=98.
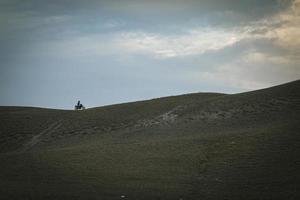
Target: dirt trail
x=37 y=138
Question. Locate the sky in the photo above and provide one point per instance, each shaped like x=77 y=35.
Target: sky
x=55 y=52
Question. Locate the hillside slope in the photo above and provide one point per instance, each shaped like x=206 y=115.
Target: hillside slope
x=195 y=146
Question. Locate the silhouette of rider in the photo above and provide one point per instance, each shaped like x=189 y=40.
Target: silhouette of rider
x=78 y=105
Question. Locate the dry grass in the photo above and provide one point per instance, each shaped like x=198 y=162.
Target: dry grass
x=196 y=146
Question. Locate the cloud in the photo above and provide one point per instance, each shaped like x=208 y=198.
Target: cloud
x=193 y=42
x=288 y=35
x=283 y=27
x=114 y=23
x=251 y=70
x=155 y=45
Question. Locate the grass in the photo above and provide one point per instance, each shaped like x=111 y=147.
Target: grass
x=242 y=146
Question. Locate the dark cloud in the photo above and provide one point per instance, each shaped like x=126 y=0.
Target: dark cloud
x=144 y=8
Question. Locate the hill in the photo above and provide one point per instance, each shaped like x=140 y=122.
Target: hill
x=194 y=146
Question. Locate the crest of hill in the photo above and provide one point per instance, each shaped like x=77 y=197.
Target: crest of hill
x=19 y=124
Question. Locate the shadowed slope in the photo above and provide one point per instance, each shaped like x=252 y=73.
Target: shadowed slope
x=196 y=146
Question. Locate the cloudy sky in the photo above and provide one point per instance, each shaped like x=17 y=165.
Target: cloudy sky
x=53 y=52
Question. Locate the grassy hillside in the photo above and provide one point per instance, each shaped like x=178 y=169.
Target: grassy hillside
x=195 y=146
